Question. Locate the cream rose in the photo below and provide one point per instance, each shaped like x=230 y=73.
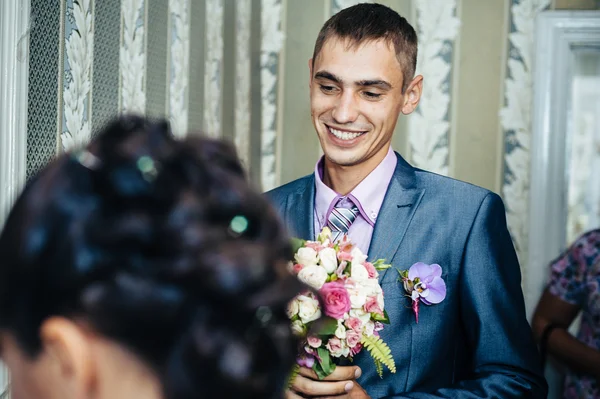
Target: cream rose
x=328 y=259
x=308 y=309
x=337 y=347
x=369 y=328
x=315 y=276
x=360 y=314
x=298 y=328
x=306 y=256
x=359 y=272
x=325 y=235
x=292 y=308
x=358 y=297
x=340 y=331
x=357 y=256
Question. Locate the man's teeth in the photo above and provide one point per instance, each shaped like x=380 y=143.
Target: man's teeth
x=340 y=134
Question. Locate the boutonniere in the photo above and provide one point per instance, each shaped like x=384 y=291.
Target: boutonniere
x=423 y=283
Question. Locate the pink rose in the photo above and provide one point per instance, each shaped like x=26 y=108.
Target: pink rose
x=334 y=345
x=356 y=349
x=354 y=323
x=297 y=268
x=372 y=306
x=371 y=270
x=352 y=338
x=335 y=299
x=314 y=342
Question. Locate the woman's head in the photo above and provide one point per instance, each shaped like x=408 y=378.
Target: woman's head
x=144 y=250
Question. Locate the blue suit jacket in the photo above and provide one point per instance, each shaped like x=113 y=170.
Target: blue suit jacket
x=477 y=342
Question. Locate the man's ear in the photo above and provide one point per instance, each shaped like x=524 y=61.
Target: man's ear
x=412 y=95
x=68 y=347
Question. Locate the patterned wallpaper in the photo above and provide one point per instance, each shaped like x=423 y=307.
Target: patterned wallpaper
x=218 y=66
x=429 y=127
x=94 y=59
x=516 y=119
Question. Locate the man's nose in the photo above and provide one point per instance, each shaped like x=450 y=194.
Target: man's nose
x=346 y=110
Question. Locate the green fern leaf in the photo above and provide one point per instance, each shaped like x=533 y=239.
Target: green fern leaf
x=379 y=351
x=378 y=367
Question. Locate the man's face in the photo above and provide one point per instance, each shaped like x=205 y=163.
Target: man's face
x=356 y=97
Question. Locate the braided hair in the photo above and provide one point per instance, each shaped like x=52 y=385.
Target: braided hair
x=162 y=246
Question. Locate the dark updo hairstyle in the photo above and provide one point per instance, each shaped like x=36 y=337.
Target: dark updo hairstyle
x=161 y=246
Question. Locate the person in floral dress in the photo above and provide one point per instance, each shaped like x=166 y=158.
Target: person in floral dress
x=574 y=287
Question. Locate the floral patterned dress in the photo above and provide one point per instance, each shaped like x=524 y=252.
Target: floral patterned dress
x=575 y=278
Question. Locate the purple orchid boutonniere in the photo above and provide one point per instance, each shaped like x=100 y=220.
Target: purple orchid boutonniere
x=423 y=283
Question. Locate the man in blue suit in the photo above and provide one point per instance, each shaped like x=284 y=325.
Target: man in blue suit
x=477 y=342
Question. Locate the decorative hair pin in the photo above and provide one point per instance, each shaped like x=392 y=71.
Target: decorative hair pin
x=263 y=315
x=147 y=167
x=238 y=225
x=87 y=159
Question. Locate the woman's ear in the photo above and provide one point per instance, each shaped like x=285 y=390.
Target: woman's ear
x=68 y=348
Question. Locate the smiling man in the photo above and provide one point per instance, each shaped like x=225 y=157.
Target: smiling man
x=477 y=342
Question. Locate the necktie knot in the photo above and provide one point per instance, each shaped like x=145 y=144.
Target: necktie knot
x=340 y=219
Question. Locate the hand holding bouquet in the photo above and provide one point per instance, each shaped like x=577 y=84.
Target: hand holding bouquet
x=351 y=311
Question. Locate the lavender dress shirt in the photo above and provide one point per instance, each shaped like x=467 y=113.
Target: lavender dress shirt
x=367 y=196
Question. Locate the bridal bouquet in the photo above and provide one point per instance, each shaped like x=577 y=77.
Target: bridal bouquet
x=351 y=311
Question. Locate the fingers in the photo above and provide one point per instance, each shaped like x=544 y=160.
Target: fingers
x=292 y=395
x=311 y=387
x=341 y=373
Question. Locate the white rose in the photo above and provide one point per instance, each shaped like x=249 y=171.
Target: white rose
x=315 y=276
x=361 y=314
x=308 y=309
x=292 y=308
x=369 y=328
x=306 y=257
x=298 y=328
x=357 y=256
x=359 y=272
x=357 y=301
x=328 y=259
x=340 y=331
x=290 y=267
x=345 y=350
x=370 y=287
x=338 y=347
x=380 y=300
x=357 y=292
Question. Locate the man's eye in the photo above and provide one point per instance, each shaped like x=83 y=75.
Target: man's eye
x=372 y=95
x=327 y=89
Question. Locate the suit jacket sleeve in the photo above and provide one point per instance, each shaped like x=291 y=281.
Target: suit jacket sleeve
x=505 y=362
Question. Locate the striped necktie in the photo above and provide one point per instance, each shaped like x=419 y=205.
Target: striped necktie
x=340 y=219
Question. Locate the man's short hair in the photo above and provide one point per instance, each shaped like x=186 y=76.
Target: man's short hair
x=370 y=22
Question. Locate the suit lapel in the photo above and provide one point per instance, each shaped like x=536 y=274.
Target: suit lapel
x=300 y=210
x=399 y=205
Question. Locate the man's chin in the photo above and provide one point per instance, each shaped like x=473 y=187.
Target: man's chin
x=344 y=160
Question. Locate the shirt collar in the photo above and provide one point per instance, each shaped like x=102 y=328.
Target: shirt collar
x=367 y=196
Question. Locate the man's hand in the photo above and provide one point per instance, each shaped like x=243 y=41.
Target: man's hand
x=340 y=384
